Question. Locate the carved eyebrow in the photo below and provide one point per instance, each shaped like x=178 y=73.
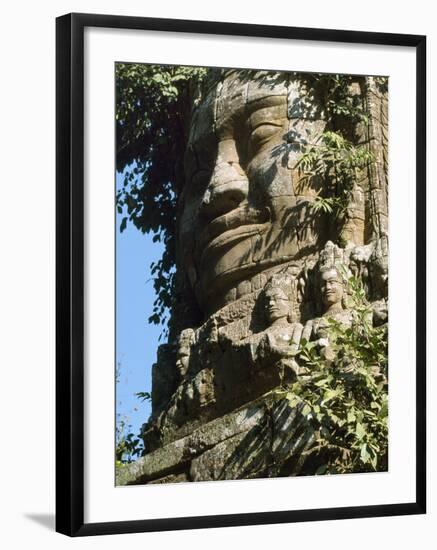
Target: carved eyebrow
x=266 y=101
x=259 y=123
x=274 y=116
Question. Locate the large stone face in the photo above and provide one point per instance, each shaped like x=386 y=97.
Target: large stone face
x=264 y=268
x=244 y=208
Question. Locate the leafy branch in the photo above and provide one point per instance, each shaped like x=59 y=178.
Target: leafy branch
x=335 y=161
x=128 y=446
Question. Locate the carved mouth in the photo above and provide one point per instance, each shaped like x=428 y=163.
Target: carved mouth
x=234 y=225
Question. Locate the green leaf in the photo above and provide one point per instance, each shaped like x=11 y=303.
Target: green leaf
x=364 y=454
x=330 y=394
x=293 y=399
x=360 y=432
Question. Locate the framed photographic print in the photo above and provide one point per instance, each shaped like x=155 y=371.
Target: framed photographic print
x=240 y=274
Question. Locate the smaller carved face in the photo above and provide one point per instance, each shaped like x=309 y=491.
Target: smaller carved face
x=183 y=358
x=331 y=288
x=277 y=303
x=184 y=350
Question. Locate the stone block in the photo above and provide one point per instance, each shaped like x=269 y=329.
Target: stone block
x=178 y=454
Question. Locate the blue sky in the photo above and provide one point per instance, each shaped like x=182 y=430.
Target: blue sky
x=136 y=339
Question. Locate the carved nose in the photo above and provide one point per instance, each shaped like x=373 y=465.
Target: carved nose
x=227 y=189
x=228 y=185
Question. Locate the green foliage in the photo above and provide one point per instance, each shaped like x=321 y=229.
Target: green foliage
x=128 y=447
x=346 y=398
x=332 y=163
x=143 y=396
x=335 y=161
x=339 y=102
x=151 y=115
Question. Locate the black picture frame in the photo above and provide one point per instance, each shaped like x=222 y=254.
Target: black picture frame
x=70 y=273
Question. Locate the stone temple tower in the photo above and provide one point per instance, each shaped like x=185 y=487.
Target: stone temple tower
x=261 y=263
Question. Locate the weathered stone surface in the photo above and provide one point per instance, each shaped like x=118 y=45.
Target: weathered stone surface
x=245 y=455
x=272 y=448
x=267 y=439
x=172 y=478
x=263 y=269
x=165 y=378
x=176 y=455
x=292 y=435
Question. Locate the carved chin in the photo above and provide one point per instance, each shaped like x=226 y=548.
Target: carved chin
x=276 y=316
x=333 y=303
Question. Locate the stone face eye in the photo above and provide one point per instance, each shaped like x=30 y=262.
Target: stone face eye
x=262 y=135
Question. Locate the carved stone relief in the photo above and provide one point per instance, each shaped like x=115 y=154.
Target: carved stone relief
x=266 y=271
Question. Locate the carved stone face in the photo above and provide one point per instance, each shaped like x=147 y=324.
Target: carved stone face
x=182 y=359
x=184 y=350
x=277 y=304
x=243 y=209
x=331 y=288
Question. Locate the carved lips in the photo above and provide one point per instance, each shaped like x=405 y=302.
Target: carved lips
x=230 y=227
